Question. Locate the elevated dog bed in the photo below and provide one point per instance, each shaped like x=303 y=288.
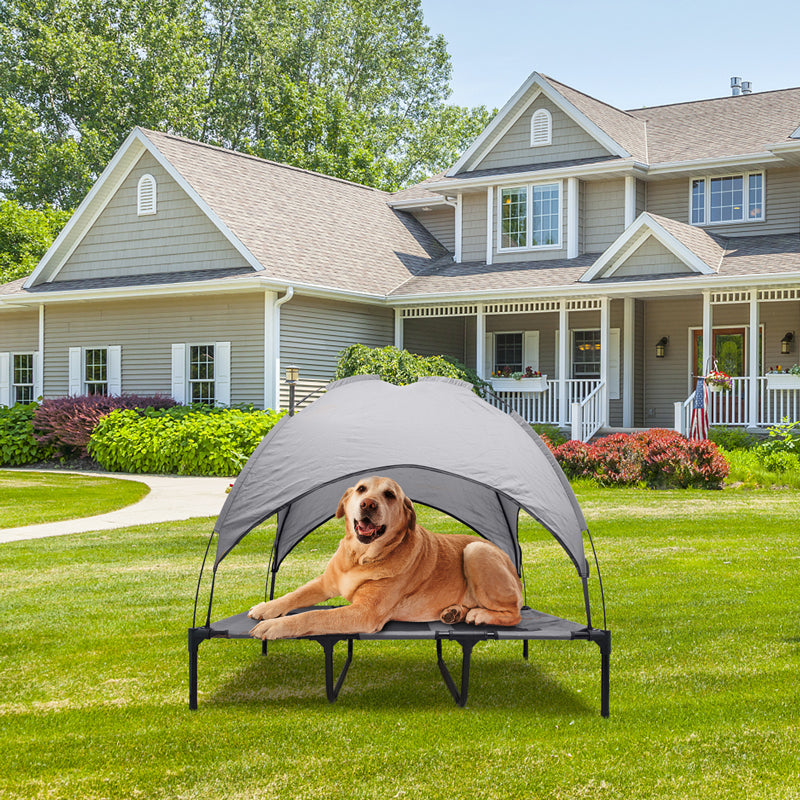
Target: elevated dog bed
x=448 y=449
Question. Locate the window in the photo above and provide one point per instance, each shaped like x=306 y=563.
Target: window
x=586 y=354
x=530 y=217
x=508 y=352
x=733 y=198
x=95 y=371
x=541 y=128
x=22 y=378
x=146 y=196
x=201 y=374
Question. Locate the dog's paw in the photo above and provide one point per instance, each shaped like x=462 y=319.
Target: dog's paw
x=453 y=614
x=479 y=616
x=262 y=630
x=263 y=611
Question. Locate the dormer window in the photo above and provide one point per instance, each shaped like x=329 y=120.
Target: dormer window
x=541 y=128
x=146 y=196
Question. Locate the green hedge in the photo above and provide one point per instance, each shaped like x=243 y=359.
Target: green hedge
x=180 y=440
x=18 y=446
x=401 y=367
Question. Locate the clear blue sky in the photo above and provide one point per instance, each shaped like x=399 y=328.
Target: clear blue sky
x=628 y=54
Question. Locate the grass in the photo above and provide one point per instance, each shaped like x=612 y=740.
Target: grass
x=68 y=496
x=702 y=592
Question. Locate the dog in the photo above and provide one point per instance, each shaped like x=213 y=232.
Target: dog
x=390 y=568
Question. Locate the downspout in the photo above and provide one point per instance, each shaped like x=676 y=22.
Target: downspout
x=272 y=355
x=39 y=377
x=455 y=202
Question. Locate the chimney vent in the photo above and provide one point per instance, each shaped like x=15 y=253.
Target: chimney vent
x=747 y=87
x=736 y=86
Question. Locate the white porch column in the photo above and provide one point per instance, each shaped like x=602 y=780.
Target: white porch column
x=630 y=200
x=38 y=378
x=563 y=364
x=480 y=343
x=605 y=328
x=271 y=356
x=459 y=227
x=489 y=226
x=752 y=371
x=398 y=328
x=572 y=218
x=708 y=332
x=627 y=363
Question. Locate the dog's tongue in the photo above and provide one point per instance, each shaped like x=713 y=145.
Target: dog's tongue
x=366 y=528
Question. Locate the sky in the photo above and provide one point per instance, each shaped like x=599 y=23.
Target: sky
x=628 y=54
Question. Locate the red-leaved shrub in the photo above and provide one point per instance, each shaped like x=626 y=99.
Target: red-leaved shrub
x=660 y=458
x=66 y=423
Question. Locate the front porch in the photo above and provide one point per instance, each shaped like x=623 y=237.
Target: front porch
x=623 y=362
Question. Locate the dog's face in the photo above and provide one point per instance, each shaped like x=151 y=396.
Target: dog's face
x=376 y=507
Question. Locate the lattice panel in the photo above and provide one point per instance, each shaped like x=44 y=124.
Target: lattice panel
x=440 y=311
x=726 y=298
x=523 y=307
x=786 y=293
x=586 y=304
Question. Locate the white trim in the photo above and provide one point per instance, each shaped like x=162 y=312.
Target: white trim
x=752 y=370
x=745 y=161
x=416 y=202
x=644 y=227
x=114 y=370
x=222 y=373
x=39 y=388
x=6 y=380
x=480 y=343
x=489 y=224
x=541 y=131
x=573 y=232
x=459 y=233
x=630 y=201
x=398 y=328
x=497 y=127
x=178 y=373
x=562 y=343
x=270 y=375
x=529 y=218
x=746 y=218
x=146 y=196
x=276 y=338
x=628 y=324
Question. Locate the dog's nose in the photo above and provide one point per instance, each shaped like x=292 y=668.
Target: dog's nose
x=368 y=504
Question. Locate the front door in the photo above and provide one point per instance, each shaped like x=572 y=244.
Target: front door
x=728 y=356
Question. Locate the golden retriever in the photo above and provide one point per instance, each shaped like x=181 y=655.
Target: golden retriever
x=390 y=568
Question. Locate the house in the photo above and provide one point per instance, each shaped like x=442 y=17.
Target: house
x=619 y=253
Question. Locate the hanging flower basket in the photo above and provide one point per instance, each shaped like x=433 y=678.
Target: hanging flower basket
x=718 y=381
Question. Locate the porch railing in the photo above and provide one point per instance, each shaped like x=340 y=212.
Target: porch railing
x=587 y=417
x=733 y=408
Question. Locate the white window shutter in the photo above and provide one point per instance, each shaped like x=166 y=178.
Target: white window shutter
x=5 y=379
x=488 y=355
x=38 y=375
x=179 y=373
x=613 y=364
x=146 y=196
x=75 y=371
x=114 y=369
x=530 y=350
x=222 y=373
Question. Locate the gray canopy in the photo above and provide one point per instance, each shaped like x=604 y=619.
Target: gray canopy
x=445 y=446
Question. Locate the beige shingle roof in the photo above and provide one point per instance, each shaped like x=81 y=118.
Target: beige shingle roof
x=708 y=247
x=303 y=226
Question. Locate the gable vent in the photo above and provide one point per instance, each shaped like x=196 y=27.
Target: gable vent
x=146 y=195
x=541 y=128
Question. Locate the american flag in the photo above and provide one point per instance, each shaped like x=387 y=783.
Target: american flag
x=698 y=430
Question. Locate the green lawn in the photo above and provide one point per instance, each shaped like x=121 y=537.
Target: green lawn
x=702 y=592
x=27 y=498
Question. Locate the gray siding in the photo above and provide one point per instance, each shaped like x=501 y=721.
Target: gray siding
x=473 y=224
x=19 y=331
x=313 y=332
x=441 y=222
x=604 y=214
x=569 y=141
x=436 y=337
x=651 y=258
x=146 y=331
x=178 y=238
x=670 y=198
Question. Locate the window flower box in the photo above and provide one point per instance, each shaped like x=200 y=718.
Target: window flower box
x=782 y=380
x=537 y=384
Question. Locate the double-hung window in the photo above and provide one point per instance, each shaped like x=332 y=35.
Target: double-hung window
x=201 y=373
x=732 y=198
x=586 y=354
x=508 y=352
x=22 y=378
x=530 y=217
x=95 y=370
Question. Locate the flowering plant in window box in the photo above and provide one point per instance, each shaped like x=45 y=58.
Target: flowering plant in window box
x=718 y=381
x=779 y=378
x=529 y=380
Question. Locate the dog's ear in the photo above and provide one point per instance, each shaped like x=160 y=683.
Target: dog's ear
x=343 y=502
x=410 y=512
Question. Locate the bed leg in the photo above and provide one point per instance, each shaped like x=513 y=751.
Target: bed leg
x=328 y=643
x=459 y=695
x=603 y=640
x=196 y=635
x=525 y=649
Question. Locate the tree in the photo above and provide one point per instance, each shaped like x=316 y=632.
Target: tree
x=352 y=88
x=25 y=235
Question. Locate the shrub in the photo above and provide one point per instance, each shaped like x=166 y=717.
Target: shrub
x=401 y=367
x=64 y=424
x=733 y=438
x=551 y=435
x=783 y=438
x=180 y=440
x=18 y=444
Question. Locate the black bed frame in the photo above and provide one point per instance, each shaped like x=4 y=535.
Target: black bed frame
x=534 y=625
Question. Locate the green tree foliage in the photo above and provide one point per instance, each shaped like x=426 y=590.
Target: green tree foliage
x=25 y=235
x=352 y=88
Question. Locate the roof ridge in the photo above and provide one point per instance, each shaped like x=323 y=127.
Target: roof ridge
x=633 y=111
x=592 y=97
x=186 y=140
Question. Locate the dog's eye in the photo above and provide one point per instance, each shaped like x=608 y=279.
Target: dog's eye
x=389 y=494
x=361 y=489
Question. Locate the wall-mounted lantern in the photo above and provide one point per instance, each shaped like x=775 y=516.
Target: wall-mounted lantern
x=661 y=347
x=292 y=376
x=786 y=343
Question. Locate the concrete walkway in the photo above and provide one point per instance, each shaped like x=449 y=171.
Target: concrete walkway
x=170 y=498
